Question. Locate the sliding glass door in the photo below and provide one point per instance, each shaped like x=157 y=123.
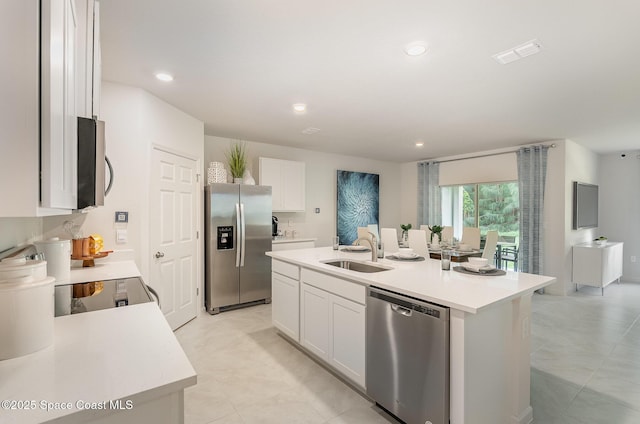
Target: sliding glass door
x=487 y=206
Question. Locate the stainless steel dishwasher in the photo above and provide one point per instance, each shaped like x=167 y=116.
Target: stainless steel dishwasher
x=408 y=357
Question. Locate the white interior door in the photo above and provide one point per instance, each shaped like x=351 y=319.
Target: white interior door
x=173 y=235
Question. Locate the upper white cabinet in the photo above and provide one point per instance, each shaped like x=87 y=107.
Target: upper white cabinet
x=287 y=179
x=41 y=88
x=89 y=58
x=59 y=127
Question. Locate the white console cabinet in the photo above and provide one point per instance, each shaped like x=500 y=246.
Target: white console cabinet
x=287 y=179
x=597 y=265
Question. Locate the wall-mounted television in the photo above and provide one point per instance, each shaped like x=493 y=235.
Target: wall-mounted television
x=585 y=205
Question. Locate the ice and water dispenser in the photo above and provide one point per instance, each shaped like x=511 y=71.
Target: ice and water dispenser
x=225 y=238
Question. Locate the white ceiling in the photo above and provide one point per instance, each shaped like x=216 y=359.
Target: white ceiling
x=239 y=65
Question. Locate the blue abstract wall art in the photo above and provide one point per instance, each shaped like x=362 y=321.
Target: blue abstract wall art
x=358 y=203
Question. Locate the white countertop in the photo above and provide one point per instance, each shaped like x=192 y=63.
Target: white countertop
x=292 y=240
x=423 y=280
x=125 y=353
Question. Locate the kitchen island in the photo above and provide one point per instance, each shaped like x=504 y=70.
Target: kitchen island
x=119 y=365
x=489 y=367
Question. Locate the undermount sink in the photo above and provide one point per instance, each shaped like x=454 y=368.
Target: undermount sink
x=356 y=266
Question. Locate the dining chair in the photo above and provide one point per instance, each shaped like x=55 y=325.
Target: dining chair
x=447 y=234
x=418 y=242
x=363 y=232
x=490 y=244
x=373 y=229
x=510 y=254
x=427 y=230
x=471 y=236
x=390 y=239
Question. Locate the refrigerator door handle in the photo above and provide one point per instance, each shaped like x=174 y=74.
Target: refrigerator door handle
x=238 y=235
x=243 y=235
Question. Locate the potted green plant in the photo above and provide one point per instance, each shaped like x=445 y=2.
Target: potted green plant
x=600 y=241
x=437 y=230
x=405 y=231
x=237 y=160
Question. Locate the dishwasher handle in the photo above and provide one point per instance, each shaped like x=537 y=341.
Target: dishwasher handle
x=401 y=310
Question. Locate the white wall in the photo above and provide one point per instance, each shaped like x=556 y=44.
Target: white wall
x=19 y=231
x=581 y=164
x=619 y=206
x=555 y=214
x=135 y=121
x=320 y=185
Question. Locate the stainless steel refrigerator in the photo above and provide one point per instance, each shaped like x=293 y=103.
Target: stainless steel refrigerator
x=237 y=235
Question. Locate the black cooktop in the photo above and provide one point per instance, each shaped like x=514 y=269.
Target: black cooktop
x=96 y=295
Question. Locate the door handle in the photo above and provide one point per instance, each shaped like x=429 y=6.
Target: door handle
x=242 y=226
x=238 y=235
x=401 y=310
x=159 y=255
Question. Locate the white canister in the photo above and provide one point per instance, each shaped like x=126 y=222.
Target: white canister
x=57 y=253
x=26 y=315
x=11 y=268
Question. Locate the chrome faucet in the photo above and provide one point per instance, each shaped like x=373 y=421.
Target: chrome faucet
x=373 y=242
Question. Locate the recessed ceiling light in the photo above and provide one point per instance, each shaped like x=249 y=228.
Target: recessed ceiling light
x=300 y=107
x=416 y=48
x=163 y=76
x=419 y=143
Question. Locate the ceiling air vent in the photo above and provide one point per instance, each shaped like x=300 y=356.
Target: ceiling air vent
x=518 y=52
x=310 y=130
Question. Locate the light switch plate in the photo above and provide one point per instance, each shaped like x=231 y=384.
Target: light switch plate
x=121 y=236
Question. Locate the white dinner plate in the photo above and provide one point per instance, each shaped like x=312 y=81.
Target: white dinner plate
x=406 y=255
x=475 y=268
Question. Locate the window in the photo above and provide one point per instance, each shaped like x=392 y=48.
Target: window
x=487 y=206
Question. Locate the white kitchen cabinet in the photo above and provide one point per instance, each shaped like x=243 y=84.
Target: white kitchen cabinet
x=285 y=299
x=292 y=244
x=347 y=343
x=597 y=266
x=38 y=124
x=287 y=179
x=314 y=320
x=59 y=127
x=333 y=321
x=88 y=70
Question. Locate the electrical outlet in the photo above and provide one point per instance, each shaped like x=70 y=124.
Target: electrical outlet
x=290 y=223
x=633 y=259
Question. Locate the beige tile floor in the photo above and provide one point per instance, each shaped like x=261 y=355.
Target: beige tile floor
x=585 y=367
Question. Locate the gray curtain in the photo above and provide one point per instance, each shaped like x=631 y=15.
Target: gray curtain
x=429 y=196
x=532 y=172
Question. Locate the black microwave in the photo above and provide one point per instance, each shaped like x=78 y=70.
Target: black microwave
x=92 y=163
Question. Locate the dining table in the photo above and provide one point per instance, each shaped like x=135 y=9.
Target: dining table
x=456 y=255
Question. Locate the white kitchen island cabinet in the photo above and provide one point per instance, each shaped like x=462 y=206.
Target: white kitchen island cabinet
x=490 y=332
x=597 y=265
x=285 y=298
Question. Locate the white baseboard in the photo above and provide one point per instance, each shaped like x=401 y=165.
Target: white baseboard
x=525 y=417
